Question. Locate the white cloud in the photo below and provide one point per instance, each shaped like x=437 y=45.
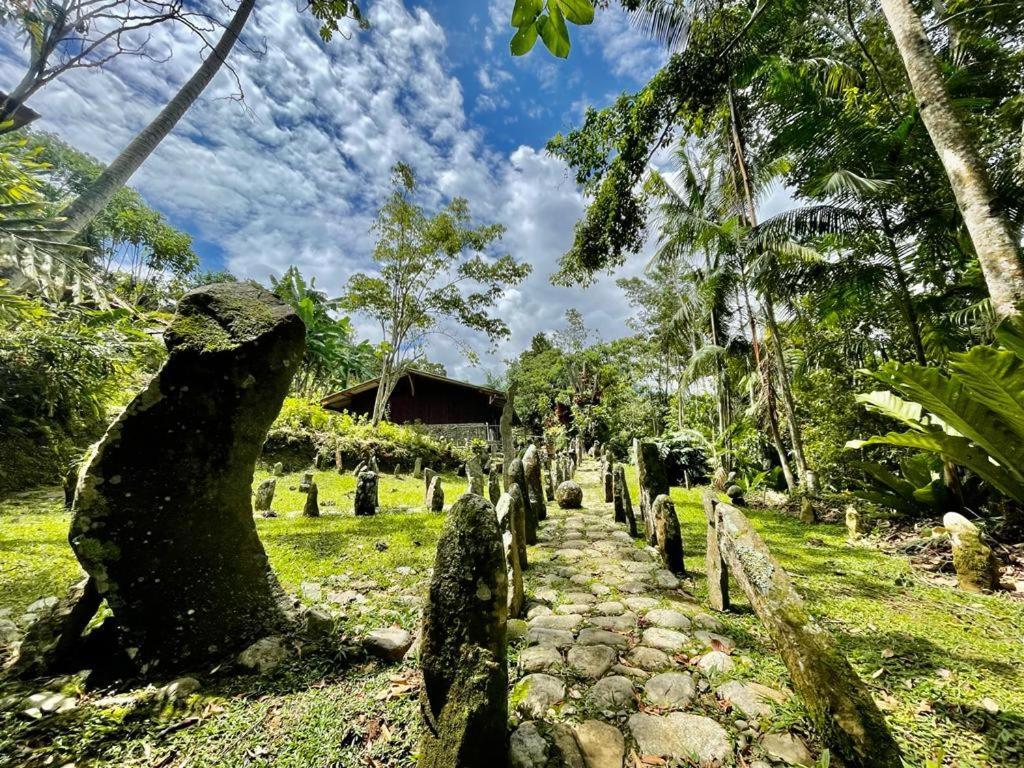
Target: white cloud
x=298 y=179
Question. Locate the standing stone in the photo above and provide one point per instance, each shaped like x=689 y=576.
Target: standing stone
x=464 y=698
x=549 y=486
x=534 y=485
x=975 y=564
x=505 y=511
x=311 y=507
x=374 y=466
x=435 y=495
x=398 y=470
x=609 y=495
x=339 y=463
x=265 y=494
x=475 y=476
x=278 y=469
x=621 y=499
x=428 y=475
x=417 y=468
x=494 y=484
x=670 y=536
x=636 y=452
x=164 y=511
x=519 y=522
x=854 y=524
x=305 y=482
x=366 y=494
x=653 y=483
x=517 y=476
x=360 y=468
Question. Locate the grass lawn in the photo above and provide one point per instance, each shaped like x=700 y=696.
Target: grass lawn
x=931 y=655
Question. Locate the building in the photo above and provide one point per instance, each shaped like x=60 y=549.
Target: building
x=456 y=410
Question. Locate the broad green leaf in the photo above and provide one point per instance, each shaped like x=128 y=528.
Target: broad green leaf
x=995 y=377
x=886 y=478
x=952 y=402
x=576 y=11
x=525 y=12
x=958 y=450
x=890 y=405
x=554 y=33
x=524 y=39
x=1010 y=333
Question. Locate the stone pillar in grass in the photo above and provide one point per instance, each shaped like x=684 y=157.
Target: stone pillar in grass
x=435 y=495
x=670 y=536
x=312 y=507
x=278 y=469
x=366 y=494
x=494 y=484
x=163 y=520
x=517 y=476
x=464 y=698
x=265 y=495
x=428 y=475
x=519 y=522
x=975 y=564
x=305 y=482
x=653 y=483
x=339 y=462
x=510 y=539
x=549 y=486
x=475 y=476
x=417 y=468
x=534 y=483
x=607 y=482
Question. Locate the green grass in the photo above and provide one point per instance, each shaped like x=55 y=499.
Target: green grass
x=941 y=650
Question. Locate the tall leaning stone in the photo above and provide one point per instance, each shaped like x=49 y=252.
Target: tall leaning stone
x=163 y=520
x=669 y=534
x=653 y=483
x=534 y=482
x=517 y=476
x=623 y=499
x=505 y=510
x=464 y=699
x=435 y=495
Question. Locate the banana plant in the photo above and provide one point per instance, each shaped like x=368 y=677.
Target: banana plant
x=971 y=415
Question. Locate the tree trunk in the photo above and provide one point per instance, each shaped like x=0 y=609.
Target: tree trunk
x=81 y=212
x=902 y=290
x=994 y=239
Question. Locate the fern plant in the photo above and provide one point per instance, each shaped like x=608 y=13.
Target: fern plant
x=971 y=415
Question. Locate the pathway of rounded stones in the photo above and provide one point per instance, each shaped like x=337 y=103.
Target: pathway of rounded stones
x=621 y=666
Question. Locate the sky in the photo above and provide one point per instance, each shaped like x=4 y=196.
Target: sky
x=294 y=174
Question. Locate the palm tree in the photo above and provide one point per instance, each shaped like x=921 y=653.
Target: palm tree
x=82 y=210
x=994 y=239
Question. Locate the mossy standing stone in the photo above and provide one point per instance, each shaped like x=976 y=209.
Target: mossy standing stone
x=312 y=507
x=305 y=482
x=494 y=484
x=517 y=476
x=534 y=483
x=670 y=535
x=608 y=483
x=475 y=476
x=163 y=519
x=278 y=469
x=622 y=500
x=265 y=495
x=653 y=483
x=366 y=502
x=464 y=698
x=428 y=475
x=417 y=468
x=506 y=511
x=435 y=495
x=519 y=523
x=975 y=564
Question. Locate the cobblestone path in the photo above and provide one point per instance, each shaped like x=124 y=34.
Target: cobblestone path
x=620 y=666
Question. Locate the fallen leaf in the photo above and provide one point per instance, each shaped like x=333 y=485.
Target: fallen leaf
x=888 y=653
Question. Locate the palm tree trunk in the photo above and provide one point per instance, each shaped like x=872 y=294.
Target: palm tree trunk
x=993 y=237
x=81 y=212
x=902 y=290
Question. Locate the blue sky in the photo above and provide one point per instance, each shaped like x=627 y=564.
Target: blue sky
x=295 y=176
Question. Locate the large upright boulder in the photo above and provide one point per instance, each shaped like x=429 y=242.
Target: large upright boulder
x=976 y=566
x=669 y=534
x=534 y=483
x=163 y=515
x=653 y=483
x=517 y=476
x=464 y=699
x=366 y=501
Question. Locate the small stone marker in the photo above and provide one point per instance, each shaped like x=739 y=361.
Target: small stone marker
x=534 y=483
x=339 y=463
x=311 y=507
x=305 y=482
x=975 y=564
x=622 y=500
x=265 y=495
x=366 y=494
x=517 y=475
x=505 y=512
x=609 y=496
x=464 y=698
x=475 y=476
x=669 y=535
x=494 y=484
x=428 y=474
x=417 y=468
x=854 y=524
x=435 y=495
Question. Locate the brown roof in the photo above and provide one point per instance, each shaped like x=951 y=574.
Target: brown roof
x=339 y=400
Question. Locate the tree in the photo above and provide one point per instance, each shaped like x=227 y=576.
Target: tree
x=435 y=277
x=82 y=210
x=332 y=359
x=996 y=243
